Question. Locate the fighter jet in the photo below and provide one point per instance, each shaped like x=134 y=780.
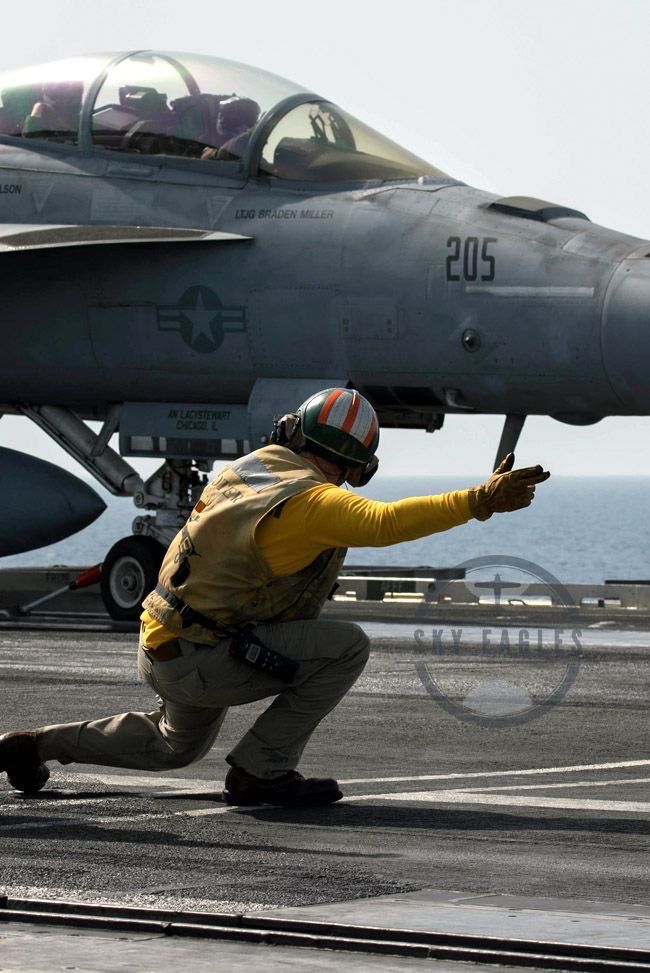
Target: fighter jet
x=190 y=245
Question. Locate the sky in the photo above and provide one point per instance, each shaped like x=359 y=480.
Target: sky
x=546 y=100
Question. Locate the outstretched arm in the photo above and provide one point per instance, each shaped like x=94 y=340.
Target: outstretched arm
x=327 y=516
x=339 y=518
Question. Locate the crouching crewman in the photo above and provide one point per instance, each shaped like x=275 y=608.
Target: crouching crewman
x=235 y=615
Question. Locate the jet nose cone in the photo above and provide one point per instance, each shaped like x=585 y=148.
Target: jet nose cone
x=626 y=334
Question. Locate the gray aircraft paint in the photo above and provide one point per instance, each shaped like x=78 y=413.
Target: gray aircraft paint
x=384 y=314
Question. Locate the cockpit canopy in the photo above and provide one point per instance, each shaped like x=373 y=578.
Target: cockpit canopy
x=191 y=106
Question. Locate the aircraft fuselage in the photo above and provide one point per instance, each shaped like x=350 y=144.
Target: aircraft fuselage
x=429 y=297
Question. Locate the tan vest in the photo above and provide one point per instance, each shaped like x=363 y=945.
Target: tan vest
x=214 y=564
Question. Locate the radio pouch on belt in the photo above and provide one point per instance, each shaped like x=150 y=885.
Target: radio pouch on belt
x=244 y=646
x=249 y=649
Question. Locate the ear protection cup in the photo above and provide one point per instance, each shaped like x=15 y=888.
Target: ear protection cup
x=287 y=431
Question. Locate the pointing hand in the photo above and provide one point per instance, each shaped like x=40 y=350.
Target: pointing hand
x=507 y=489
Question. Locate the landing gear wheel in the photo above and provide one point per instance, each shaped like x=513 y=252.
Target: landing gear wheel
x=129 y=573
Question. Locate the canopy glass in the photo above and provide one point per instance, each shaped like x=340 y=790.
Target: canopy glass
x=199 y=107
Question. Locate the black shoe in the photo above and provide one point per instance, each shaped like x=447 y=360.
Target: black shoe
x=290 y=789
x=20 y=760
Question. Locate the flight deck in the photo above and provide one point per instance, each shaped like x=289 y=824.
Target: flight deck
x=461 y=816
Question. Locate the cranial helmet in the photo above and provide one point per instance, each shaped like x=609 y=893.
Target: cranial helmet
x=337 y=424
x=237 y=115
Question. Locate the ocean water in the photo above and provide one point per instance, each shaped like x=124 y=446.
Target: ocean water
x=580 y=529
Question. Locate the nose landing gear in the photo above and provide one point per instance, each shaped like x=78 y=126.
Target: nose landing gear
x=129 y=573
x=130 y=569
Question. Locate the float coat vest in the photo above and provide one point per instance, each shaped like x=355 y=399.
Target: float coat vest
x=215 y=566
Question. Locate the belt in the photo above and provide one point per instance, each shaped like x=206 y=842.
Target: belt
x=165 y=651
x=188 y=614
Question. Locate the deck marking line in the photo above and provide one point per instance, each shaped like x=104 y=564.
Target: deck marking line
x=501 y=773
x=505 y=800
x=443 y=796
x=429 y=797
x=567 y=783
x=131 y=818
x=155 y=780
x=200 y=812
x=470 y=789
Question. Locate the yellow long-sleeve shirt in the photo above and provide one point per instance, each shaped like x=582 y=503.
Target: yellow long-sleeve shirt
x=327 y=516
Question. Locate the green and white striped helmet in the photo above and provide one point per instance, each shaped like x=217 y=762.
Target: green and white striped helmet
x=340 y=425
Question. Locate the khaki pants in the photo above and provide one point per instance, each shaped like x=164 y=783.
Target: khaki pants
x=196 y=689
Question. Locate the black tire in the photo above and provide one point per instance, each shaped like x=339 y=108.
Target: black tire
x=129 y=573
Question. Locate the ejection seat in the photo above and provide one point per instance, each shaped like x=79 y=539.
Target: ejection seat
x=195 y=122
x=140 y=122
x=154 y=122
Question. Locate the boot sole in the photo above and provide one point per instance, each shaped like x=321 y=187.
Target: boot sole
x=308 y=800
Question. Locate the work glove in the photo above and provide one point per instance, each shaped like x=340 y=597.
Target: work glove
x=507 y=489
